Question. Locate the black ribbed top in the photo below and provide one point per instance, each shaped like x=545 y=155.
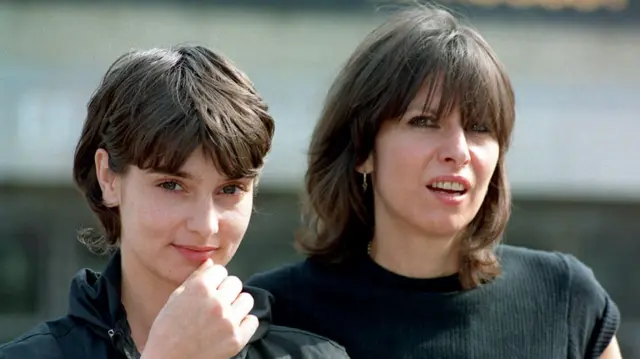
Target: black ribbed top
x=544 y=305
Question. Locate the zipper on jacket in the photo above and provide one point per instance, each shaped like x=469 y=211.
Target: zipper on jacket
x=123 y=345
x=112 y=334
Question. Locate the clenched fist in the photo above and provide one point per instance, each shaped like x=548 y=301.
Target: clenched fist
x=206 y=317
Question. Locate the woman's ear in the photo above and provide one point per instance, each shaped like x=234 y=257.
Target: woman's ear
x=366 y=167
x=107 y=179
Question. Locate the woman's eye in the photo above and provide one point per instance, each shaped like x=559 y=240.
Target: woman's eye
x=479 y=128
x=423 y=121
x=231 y=189
x=171 y=186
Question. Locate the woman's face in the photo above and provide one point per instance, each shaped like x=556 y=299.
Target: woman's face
x=172 y=222
x=430 y=176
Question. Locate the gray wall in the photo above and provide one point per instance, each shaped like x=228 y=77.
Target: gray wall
x=577 y=86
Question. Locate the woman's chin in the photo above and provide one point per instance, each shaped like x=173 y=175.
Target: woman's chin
x=445 y=227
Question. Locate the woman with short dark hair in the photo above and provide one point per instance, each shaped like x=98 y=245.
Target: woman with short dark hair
x=407 y=200
x=168 y=160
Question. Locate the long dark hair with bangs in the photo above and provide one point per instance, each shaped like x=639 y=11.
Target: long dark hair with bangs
x=417 y=46
x=154 y=108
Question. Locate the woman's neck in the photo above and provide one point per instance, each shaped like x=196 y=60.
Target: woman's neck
x=143 y=296
x=413 y=254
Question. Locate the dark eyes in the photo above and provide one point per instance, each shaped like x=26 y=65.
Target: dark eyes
x=479 y=128
x=230 y=189
x=424 y=121
x=171 y=186
x=432 y=122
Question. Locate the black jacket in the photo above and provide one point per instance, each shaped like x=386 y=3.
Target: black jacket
x=96 y=327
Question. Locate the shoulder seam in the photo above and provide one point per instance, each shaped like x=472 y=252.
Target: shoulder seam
x=567 y=305
x=55 y=337
x=5 y=345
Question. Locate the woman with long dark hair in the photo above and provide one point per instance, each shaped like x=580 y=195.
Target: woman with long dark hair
x=407 y=200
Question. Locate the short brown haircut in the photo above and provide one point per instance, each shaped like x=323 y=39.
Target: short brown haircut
x=420 y=45
x=154 y=108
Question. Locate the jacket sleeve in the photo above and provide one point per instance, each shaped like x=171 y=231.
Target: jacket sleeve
x=37 y=344
x=283 y=342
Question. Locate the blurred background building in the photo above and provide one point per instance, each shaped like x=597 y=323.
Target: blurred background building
x=574 y=164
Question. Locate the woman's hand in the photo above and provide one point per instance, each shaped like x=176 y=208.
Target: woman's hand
x=206 y=317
